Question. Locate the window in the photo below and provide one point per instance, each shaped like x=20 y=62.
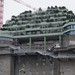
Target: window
x=72 y=26
x=72 y=32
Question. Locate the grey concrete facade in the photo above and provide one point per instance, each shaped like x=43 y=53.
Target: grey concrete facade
x=35 y=64
x=67 y=67
x=5 y=66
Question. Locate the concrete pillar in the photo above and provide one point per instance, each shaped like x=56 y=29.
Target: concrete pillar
x=12 y=71
x=5 y=65
x=30 y=43
x=44 y=42
x=56 y=67
x=60 y=40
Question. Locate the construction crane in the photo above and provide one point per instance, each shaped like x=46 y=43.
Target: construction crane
x=2 y=6
x=25 y=4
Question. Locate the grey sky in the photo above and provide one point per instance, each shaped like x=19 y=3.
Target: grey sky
x=13 y=8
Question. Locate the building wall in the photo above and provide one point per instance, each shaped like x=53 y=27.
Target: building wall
x=12 y=65
x=5 y=65
x=6 y=61
x=67 y=67
x=33 y=65
x=56 y=67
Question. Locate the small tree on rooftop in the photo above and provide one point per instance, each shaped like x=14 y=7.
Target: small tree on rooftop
x=70 y=12
x=51 y=20
x=65 y=11
x=60 y=7
x=48 y=8
x=40 y=9
x=30 y=11
x=56 y=7
x=63 y=7
x=56 y=11
x=52 y=7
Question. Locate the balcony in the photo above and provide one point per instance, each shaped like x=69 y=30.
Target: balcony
x=35 y=35
x=5 y=34
x=34 y=32
x=32 y=29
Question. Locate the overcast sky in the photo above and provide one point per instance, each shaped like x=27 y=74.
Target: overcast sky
x=13 y=8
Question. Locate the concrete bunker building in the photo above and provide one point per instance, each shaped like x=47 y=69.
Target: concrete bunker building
x=39 y=43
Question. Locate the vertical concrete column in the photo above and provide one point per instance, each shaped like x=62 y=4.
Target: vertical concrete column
x=56 y=67
x=12 y=71
x=44 y=42
x=30 y=43
x=60 y=40
x=5 y=65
